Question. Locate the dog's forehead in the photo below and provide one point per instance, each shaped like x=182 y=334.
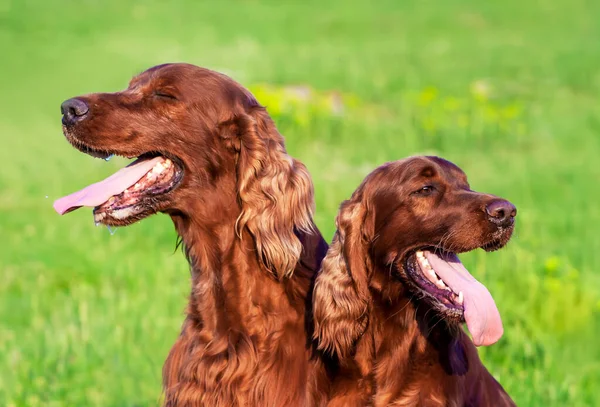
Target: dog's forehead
x=193 y=82
x=426 y=167
x=159 y=73
x=449 y=169
x=417 y=167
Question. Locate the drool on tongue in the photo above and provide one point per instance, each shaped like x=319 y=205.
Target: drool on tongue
x=98 y=193
x=481 y=313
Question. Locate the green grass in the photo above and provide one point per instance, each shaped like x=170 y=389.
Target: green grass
x=507 y=90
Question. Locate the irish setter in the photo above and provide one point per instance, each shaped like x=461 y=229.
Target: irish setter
x=210 y=157
x=391 y=294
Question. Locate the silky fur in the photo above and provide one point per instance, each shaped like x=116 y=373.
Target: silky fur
x=244 y=213
x=395 y=346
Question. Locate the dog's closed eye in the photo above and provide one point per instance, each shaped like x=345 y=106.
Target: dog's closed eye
x=164 y=95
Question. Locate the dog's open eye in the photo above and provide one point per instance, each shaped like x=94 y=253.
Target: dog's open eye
x=164 y=95
x=425 y=191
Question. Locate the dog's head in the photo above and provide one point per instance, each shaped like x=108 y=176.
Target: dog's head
x=407 y=221
x=203 y=145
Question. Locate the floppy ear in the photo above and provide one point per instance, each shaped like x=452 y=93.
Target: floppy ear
x=275 y=191
x=341 y=297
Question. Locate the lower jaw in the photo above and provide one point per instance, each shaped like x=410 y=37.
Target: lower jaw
x=112 y=216
x=438 y=298
x=121 y=210
x=493 y=246
x=448 y=308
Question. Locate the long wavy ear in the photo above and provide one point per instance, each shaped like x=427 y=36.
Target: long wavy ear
x=275 y=190
x=341 y=298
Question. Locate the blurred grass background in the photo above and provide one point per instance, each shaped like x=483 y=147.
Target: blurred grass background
x=507 y=90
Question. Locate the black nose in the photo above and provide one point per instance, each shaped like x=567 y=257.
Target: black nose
x=501 y=212
x=73 y=110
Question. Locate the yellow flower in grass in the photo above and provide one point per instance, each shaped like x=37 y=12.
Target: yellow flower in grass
x=552 y=264
x=301 y=102
x=302 y=117
x=491 y=114
x=351 y=101
x=429 y=124
x=553 y=285
x=511 y=111
x=268 y=97
x=428 y=95
x=452 y=104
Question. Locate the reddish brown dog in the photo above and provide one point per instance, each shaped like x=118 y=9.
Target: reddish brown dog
x=211 y=158
x=392 y=293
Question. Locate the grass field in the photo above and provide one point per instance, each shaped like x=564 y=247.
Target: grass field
x=507 y=90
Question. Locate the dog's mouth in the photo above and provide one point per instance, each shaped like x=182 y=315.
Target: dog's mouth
x=439 y=277
x=129 y=194
x=499 y=243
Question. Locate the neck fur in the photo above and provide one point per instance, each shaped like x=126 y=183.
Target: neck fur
x=416 y=326
x=229 y=284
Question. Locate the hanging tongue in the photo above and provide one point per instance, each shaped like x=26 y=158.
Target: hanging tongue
x=481 y=314
x=98 y=193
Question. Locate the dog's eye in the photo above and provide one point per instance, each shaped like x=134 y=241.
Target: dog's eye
x=164 y=95
x=424 y=191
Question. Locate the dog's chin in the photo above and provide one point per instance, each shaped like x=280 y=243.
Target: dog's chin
x=125 y=209
x=499 y=239
x=122 y=216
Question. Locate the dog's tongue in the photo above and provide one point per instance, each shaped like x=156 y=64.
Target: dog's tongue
x=98 y=193
x=481 y=314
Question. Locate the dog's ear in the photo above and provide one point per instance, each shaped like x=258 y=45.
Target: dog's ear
x=341 y=298
x=275 y=191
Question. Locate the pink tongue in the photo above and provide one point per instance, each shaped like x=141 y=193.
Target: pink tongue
x=100 y=192
x=481 y=314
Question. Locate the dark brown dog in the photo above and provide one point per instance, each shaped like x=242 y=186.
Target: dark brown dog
x=211 y=157
x=391 y=294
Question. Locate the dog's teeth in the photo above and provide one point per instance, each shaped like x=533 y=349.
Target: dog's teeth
x=98 y=217
x=440 y=284
x=460 y=298
x=122 y=213
x=420 y=255
x=422 y=259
